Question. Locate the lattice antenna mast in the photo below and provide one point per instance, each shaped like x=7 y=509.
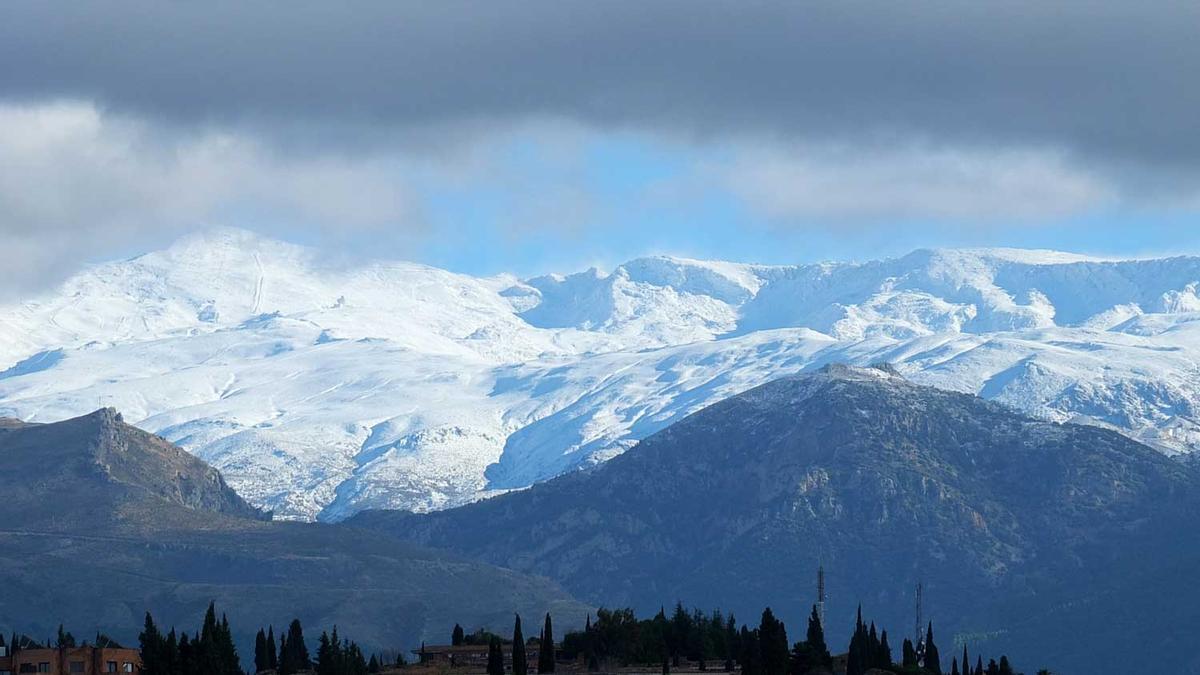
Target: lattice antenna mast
x=918 y=627
x=821 y=595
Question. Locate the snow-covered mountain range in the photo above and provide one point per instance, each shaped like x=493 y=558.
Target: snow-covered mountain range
x=322 y=389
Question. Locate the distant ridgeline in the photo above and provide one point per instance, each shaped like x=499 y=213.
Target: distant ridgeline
x=685 y=641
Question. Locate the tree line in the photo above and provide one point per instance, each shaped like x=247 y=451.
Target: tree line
x=65 y=639
x=616 y=638
x=619 y=638
x=211 y=651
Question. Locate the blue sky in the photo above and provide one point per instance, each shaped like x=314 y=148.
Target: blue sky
x=615 y=198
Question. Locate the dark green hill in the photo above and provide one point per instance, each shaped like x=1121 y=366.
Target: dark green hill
x=1058 y=543
x=100 y=521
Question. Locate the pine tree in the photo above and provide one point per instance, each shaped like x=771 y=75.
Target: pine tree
x=751 y=656
x=546 y=648
x=966 y=661
x=933 y=662
x=954 y=666
x=519 y=665
x=732 y=645
x=356 y=661
x=187 y=656
x=1005 y=668
x=325 y=660
x=979 y=665
x=680 y=630
x=373 y=665
x=456 y=637
x=992 y=668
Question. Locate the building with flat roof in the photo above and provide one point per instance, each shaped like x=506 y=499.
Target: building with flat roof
x=85 y=660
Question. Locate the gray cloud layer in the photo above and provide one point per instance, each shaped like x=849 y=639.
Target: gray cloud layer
x=1114 y=81
x=123 y=122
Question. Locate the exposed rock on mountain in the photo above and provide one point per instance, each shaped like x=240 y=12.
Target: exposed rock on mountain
x=100 y=522
x=1031 y=535
x=321 y=389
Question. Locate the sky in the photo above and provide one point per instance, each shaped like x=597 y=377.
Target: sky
x=552 y=136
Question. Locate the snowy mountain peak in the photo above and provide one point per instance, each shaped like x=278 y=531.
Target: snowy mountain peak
x=321 y=389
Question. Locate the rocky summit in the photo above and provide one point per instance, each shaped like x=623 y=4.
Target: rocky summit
x=1031 y=537
x=321 y=388
x=102 y=521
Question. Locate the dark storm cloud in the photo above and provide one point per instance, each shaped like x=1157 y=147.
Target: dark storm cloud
x=1113 y=81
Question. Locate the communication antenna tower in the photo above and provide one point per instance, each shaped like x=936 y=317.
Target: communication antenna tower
x=821 y=595
x=918 y=635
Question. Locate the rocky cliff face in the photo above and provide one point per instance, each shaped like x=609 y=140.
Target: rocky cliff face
x=100 y=522
x=1016 y=527
x=80 y=470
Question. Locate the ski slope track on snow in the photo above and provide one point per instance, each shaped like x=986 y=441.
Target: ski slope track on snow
x=320 y=390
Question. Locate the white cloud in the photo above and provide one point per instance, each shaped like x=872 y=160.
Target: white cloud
x=76 y=183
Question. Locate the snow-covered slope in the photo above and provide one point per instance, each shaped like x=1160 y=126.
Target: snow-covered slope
x=322 y=389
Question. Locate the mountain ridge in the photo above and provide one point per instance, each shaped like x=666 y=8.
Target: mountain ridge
x=1030 y=536
x=322 y=388
x=103 y=522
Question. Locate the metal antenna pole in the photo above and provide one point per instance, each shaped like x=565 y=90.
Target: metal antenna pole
x=821 y=595
x=918 y=636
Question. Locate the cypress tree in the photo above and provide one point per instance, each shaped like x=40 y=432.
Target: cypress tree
x=519 y=665
x=908 y=655
x=150 y=641
x=171 y=654
x=260 y=651
x=933 y=662
x=546 y=648
x=773 y=644
x=954 y=666
x=1005 y=668
x=456 y=637
x=966 y=661
x=884 y=653
x=226 y=651
x=815 y=638
x=293 y=653
x=272 y=656
x=495 y=657
x=979 y=665
x=992 y=668
x=373 y=665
